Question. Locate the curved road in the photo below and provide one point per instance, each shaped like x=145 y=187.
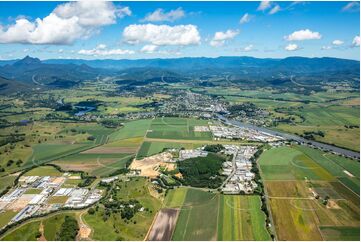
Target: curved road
x=326 y=147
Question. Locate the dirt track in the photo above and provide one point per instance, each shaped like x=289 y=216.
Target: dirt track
x=164 y=225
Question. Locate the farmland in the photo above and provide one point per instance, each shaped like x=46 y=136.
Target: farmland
x=177 y=128
x=293 y=175
x=240 y=218
x=324 y=112
x=131 y=129
x=93 y=163
x=110 y=129
x=227 y=217
x=198 y=204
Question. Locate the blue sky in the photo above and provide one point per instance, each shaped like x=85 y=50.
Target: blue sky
x=135 y=30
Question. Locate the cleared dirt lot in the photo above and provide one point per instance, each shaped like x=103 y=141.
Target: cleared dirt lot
x=164 y=225
x=149 y=166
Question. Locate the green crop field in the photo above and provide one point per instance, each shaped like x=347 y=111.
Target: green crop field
x=198 y=217
x=333 y=163
x=241 y=218
x=352 y=183
x=98 y=132
x=27 y=231
x=47 y=152
x=177 y=128
x=288 y=163
x=298 y=217
x=211 y=216
x=106 y=169
x=175 y=197
x=131 y=130
x=340 y=233
x=131 y=142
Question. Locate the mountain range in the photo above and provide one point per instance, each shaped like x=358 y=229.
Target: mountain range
x=69 y=72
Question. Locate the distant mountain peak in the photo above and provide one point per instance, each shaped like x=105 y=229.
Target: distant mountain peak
x=27 y=60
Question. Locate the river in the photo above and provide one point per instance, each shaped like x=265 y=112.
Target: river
x=345 y=152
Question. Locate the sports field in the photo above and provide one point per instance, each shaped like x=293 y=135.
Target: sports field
x=293 y=175
x=211 y=216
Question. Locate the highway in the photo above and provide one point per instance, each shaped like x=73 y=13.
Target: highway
x=326 y=147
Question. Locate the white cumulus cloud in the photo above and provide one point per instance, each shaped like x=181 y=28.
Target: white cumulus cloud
x=264 y=5
x=245 y=18
x=220 y=38
x=326 y=47
x=292 y=47
x=149 y=49
x=351 y=7
x=101 y=50
x=248 y=48
x=275 y=9
x=356 y=41
x=65 y=24
x=337 y=42
x=160 y=15
x=162 y=34
x=304 y=34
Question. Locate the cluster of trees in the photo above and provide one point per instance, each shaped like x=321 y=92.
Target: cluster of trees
x=68 y=230
x=260 y=188
x=126 y=209
x=214 y=148
x=311 y=134
x=248 y=109
x=111 y=123
x=352 y=126
x=202 y=171
x=11 y=162
x=13 y=138
x=86 y=180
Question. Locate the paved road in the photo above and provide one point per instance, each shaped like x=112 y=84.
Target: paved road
x=323 y=146
x=233 y=169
